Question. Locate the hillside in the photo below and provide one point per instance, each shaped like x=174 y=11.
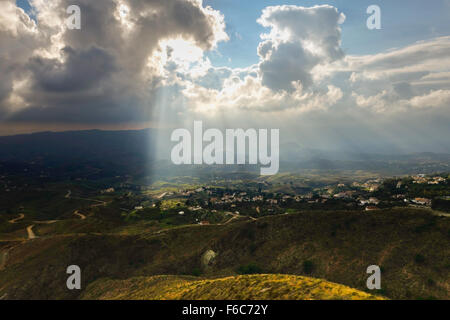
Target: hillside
x=249 y=287
x=411 y=246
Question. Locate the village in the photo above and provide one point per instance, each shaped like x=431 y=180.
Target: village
x=261 y=199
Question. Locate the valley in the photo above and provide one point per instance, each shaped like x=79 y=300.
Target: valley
x=122 y=225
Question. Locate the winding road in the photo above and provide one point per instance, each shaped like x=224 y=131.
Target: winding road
x=82 y=216
x=99 y=202
x=21 y=216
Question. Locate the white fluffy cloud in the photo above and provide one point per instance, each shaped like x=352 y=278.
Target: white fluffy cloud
x=299 y=40
x=317 y=28
x=435 y=99
x=416 y=76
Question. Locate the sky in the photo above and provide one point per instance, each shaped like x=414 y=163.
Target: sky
x=403 y=22
x=313 y=69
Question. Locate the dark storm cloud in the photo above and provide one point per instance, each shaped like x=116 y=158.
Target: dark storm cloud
x=101 y=73
x=288 y=62
x=80 y=71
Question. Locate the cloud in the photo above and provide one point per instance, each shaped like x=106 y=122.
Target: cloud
x=302 y=70
x=434 y=99
x=300 y=39
x=420 y=62
x=18 y=38
x=402 y=79
x=81 y=70
x=108 y=70
x=136 y=61
x=286 y=64
x=392 y=101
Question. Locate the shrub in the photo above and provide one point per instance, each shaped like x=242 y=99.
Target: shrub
x=249 y=269
x=196 y=272
x=419 y=258
x=308 y=266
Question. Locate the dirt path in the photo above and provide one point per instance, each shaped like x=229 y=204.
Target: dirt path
x=442 y=214
x=235 y=216
x=21 y=216
x=69 y=196
x=46 y=222
x=30 y=232
x=99 y=202
x=82 y=216
x=161 y=195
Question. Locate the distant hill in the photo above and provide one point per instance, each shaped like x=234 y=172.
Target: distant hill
x=249 y=287
x=126 y=150
x=91 y=145
x=79 y=154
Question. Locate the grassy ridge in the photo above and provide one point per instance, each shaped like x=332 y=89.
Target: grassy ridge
x=249 y=287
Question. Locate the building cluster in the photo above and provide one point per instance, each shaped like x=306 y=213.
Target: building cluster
x=423 y=179
x=363 y=194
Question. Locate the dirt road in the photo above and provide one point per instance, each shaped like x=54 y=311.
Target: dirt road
x=21 y=216
x=161 y=195
x=46 y=222
x=30 y=232
x=442 y=214
x=82 y=216
x=234 y=217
